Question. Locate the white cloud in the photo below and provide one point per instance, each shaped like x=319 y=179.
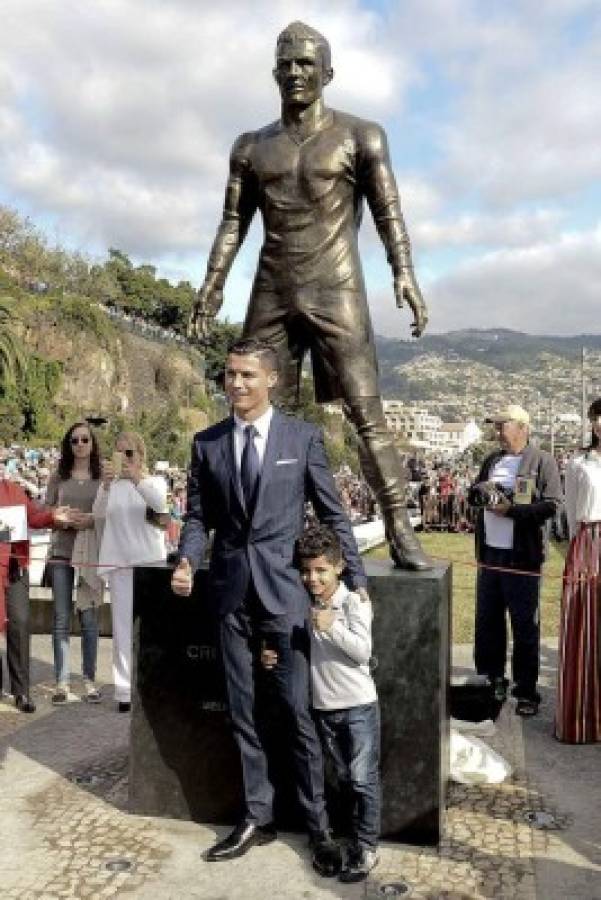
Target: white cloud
x=550 y=287
x=420 y=198
x=517 y=229
x=117 y=118
x=536 y=137
x=525 y=117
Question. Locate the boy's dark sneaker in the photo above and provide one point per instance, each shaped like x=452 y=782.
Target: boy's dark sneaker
x=60 y=696
x=327 y=855
x=359 y=863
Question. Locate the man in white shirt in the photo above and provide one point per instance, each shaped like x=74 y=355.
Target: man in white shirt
x=510 y=546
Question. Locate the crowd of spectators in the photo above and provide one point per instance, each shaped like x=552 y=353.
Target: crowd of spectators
x=436 y=491
x=355 y=494
x=442 y=497
x=30 y=468
x=143 y=327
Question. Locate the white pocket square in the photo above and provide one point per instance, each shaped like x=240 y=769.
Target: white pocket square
x=285 y=462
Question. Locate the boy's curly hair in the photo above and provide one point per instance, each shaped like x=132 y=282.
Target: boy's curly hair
x=318 y=540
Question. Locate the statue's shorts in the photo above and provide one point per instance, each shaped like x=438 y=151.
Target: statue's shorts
x=332 y=325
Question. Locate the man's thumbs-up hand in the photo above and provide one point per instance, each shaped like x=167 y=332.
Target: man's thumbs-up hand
x=181 y=580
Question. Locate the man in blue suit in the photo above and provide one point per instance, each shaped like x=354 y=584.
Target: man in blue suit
x=250 y=478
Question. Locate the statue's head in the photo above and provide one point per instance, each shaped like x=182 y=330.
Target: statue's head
x=303 y=63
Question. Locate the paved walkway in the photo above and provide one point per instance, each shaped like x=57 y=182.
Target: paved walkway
x=65 y=830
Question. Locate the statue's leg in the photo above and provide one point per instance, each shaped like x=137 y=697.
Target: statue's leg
x=267 y=319
x=383 y=471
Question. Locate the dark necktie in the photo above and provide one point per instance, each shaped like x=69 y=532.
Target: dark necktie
x=249 y=468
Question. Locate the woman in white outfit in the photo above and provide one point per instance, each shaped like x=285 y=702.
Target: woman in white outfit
x=125 y=505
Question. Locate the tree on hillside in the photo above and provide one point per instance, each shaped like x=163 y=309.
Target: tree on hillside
x=104 y=286
x=175 y=306
x=27 y=258
x=215 y=350
x=137 y=290
x=11 y=352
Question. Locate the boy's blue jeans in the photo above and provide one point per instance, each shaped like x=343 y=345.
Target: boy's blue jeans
x=352 y=739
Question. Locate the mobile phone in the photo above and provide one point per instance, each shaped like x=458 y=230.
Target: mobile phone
x=117 y=463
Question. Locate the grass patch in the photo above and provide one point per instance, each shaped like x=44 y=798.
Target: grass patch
x=459 y=549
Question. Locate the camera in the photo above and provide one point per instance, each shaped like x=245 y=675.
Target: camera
x=488 y=493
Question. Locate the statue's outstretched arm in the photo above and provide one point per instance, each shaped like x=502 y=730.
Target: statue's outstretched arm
x=238 y=209
x=379 y=187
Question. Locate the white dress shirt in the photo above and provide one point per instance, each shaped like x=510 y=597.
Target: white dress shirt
x=499 y=529
x=583 y=490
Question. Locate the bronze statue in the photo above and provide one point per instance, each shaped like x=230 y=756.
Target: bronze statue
x=308 y=173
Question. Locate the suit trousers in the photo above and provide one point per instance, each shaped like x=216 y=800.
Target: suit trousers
x=243 y=633
x=17 y=634
x=496 y=593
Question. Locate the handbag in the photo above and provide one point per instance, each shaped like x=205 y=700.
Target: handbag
x=158 y=519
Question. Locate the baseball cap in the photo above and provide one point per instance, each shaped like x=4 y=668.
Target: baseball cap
x=510 y=413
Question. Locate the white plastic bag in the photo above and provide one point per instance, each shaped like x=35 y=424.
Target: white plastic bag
x=474 y=762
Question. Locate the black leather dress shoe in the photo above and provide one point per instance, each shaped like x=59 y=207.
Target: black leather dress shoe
x=24 y=704
x=242 y=838
x=327 y=855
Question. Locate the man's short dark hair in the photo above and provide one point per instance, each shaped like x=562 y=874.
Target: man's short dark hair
x=318 y=540
x=255 y=347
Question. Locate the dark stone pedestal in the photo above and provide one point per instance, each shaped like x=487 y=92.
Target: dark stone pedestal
x=411 y=642
x=184 y=763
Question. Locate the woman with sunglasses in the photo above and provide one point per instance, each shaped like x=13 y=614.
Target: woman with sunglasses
x=75 y=485
x=578 y=713
x=128 y=504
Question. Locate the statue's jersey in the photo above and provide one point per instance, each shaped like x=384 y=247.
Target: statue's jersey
x=310 y=189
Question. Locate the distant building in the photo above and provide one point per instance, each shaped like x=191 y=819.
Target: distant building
x=459 y=436
x=427 y=432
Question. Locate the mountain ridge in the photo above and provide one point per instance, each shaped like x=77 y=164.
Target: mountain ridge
x=503 y=348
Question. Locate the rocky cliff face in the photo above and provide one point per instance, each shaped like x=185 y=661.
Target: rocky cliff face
x=126 y=374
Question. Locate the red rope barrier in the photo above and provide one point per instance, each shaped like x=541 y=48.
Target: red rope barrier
x=510 y=571
x=587 y=576
x=25 y=560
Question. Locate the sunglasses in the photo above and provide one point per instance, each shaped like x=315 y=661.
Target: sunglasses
x=80 y=440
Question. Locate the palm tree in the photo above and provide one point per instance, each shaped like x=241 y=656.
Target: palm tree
x=12 y=358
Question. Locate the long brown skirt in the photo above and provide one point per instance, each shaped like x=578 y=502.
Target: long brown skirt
x=578 y=714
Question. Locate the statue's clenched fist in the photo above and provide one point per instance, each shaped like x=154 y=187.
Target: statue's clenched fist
x=208 y=303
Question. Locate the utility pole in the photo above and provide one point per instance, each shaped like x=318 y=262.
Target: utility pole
x=552 y=425
x=583 y=387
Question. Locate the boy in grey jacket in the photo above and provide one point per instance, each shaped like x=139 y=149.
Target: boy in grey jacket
x=344 y=697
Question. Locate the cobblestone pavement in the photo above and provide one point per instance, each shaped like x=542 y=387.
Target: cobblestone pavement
x=65 y=830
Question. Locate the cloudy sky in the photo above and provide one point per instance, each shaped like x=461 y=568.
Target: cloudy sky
x=116 y=118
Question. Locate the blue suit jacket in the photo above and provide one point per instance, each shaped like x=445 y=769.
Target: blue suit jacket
x=259 y=551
